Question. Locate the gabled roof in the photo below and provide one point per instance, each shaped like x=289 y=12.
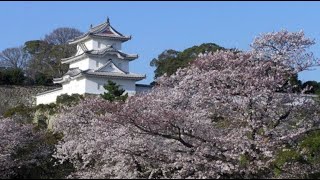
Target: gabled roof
x=107 y=50
x=104 y=30
x=110 y=65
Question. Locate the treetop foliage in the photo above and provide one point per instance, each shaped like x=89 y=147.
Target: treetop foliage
x=40 y=60
x=170 y=60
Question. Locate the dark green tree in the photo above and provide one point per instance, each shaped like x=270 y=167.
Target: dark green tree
x=313 y=85
x=114 y=92
x=292 y=85
x=46 y=55
x=170 y=60
x=11 y=76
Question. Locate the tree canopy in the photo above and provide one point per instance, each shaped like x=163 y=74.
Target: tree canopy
x=170 y=60
x=40 y=60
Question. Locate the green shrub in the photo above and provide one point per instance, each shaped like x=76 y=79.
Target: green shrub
x=21 y=110
x=285 y=156
x=311 y=147
x=244 y=160
x=51 y=108
x=66 y=99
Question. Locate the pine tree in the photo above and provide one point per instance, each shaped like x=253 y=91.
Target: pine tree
x=115 y=93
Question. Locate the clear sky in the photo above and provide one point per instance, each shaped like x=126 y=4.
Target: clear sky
x=157 y=26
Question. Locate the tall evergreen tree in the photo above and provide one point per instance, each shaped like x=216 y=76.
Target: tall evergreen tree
x=115 y=93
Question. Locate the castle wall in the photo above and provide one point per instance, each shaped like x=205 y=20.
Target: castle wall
x=82 y=64
x=89 y=44
x=48 y=97
x=105 y=42
x=76 y=86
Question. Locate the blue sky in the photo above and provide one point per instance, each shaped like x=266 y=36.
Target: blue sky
x=157 y=26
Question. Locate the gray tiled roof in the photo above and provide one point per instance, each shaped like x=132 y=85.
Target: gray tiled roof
x=111 y=49
x=114 y=74
x=102 y=30
x=107 y=50
x=73 y=72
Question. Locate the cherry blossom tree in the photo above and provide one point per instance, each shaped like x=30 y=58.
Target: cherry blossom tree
x=14 y=137
x=26 y=152
x=222 y=117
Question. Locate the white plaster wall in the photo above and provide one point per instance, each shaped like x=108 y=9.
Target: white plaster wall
x=105 y=42
x=75 y=86
x=93 y=62
x=122 y=64
x=89 y=44
x=82 y=64
x=93 y=82
x=48 y=97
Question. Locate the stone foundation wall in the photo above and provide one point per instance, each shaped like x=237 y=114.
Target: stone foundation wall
x=11 y=96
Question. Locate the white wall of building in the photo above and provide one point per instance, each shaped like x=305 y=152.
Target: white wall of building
x=75 y=86
x=89 y=44
x=102 y=43
x=49 y=97
x=94 y=85
x=82 y=64
x=122 y=64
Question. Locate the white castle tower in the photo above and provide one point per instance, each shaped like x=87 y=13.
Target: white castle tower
x=98 y=59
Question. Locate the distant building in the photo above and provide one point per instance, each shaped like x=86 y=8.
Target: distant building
x=98 y=59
